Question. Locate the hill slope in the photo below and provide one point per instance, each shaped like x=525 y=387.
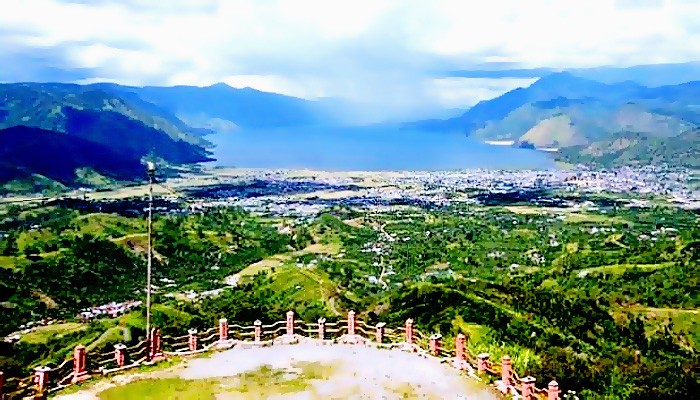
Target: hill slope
x=37 y=155
x=634 y=148
x=68 y=135
x=42 y=105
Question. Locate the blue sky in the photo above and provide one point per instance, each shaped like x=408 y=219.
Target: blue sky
x=382 y=52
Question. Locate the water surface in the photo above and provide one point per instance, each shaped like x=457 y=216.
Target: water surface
x=367 y=149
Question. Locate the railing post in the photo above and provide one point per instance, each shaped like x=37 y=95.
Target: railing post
x=258 y=330
x=435 y=344
x=553 y=391
x=528 y=388
x=155 y=350
x=351 y=322
x=223 y=330
x=41 y=380
x=505 y=370
x=380 y=332
x=192 y=339
x=483 y=362
x=321 y=328
x=290 y=323
x=409 y=331
x=120 y=354
x=460 y=360
x=460 y=344
x=79 y=364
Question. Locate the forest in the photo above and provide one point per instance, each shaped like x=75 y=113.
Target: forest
x=605 y=301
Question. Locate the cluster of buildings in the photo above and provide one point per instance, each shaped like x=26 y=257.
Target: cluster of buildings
x=286 y=194
x=111 y=310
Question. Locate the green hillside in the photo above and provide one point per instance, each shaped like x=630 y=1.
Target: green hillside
x=54 y=136
x=592 y=122
x=579 y=313
x=631 y=148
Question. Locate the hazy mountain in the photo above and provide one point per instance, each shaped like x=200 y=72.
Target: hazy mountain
x=221 y=105
x=647 y=75
x=561 y=85
x=562 y=110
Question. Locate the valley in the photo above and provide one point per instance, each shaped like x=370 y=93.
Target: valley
x=569 y=285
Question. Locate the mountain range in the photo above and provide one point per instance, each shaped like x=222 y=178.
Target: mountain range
x=581 y=117
x=55 y=135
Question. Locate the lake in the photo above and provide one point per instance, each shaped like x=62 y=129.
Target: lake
x=375 y=148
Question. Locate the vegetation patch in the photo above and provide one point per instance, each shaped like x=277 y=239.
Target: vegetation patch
x=43 y=333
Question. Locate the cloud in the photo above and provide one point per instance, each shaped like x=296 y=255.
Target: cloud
x=380 y=52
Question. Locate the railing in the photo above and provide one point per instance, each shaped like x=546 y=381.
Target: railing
x=290 y=331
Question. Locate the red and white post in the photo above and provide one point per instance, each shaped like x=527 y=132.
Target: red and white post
x=155 y=351
x=483 y=363
x=351 y=322
x=553 y=391
x=120 y=355
x=321 y=328
x=41 y=379
x=435 y=344
x=409 y=332
x=380 y=332
x=460 y=361
x=223 y=330
x=506 y=371
x=192 y=339
x=257 y=328
x=290 y=323
x=2 y=382
x=79 y=364
x=528 y=388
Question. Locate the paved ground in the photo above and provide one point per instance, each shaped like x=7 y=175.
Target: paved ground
x=349 y=372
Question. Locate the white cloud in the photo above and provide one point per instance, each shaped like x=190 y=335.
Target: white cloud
x=378 y=51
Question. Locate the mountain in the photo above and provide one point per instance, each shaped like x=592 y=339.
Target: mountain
x=648 y=75
x=55 y=135
x=221 y=105
x=565 y=111
x=634 y=148
x=39 y=159
x=42 y=105
x=558 y=85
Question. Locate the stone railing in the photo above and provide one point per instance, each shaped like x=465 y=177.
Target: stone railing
x=80 y=367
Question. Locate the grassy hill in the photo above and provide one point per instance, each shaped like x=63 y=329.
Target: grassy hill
x=632 y=148
x=558 y=131
x=54 y=136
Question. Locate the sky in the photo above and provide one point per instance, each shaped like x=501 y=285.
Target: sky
x=390 y=55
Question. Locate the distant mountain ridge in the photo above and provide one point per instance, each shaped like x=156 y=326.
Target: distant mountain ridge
x=652 y=75
x=211 y=105
x=125 y=124
x=562 y=110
